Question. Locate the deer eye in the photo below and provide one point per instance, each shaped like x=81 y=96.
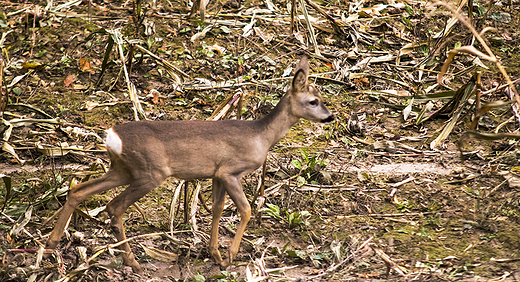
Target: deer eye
x=314 y=102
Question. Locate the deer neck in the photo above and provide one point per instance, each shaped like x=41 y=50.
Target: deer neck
x=278 y=122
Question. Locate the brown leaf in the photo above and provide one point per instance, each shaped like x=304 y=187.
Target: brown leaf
x=239 y=70
x=9 y=239
x=362 y=81
x=204 y=102
x=160 y=254
x=68 y=80
x=155 y=98
x=84 y=64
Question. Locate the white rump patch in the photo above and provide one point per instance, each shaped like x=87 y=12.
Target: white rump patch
x=113 y=142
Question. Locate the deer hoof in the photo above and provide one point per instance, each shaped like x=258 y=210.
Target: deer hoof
x=136 y=268
x=130 y=261
x=222 y=267
x=47 y=253
x=224 y=264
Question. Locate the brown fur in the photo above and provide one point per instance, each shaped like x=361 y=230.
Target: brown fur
x=221 y=150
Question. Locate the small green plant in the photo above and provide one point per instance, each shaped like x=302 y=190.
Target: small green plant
x=292 y=218
x=311 y=169
x=435 y=221
x=424 y=49
x=66 y=60
x=478 y=10
x=488 y=237
x=298 y=218
x=423 y=233
x=406 y=21
x=198 y=278
x=297 y=254
x=322 y=256
x=404 y=206
x=226 y=276
x=272 y=210
x=409 y=10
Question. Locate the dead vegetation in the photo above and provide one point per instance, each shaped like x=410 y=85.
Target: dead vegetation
x=417 y=179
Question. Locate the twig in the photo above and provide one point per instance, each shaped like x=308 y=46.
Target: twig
x=141 y=211
x=234 y=233
x=307 y=187
x=115 y=245
x=132 y=92
x=499 y=87
x=173 y=203
x=496 y=188
x=260 y=262
x=395 y=185
x=471 y=177
x=280 y=269
x=389 y=262
x=332 y=21
x=166 y=63
x=387 y=214
x=24 y=230
x=49 y=219
x=334 y=267
x=203 y=202
x=194 y=205
x=312 y=37
x=483 y=43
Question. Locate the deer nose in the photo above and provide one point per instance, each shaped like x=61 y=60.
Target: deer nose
x=328 y=119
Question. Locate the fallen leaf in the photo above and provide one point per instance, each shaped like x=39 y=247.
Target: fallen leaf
x=84 y=65
x=90 y=105
x=507 y=37
x=360 y=82
x=407 y=110
x=160 y=254
x=512 y=179
x=155 y=97
x=68 y=80
x=31 y=65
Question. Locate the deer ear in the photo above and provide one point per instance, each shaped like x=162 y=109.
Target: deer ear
x=299 y=81
x=304 y=65
x=302 y=72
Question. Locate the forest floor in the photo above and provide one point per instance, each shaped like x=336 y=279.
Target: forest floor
x=382 y=193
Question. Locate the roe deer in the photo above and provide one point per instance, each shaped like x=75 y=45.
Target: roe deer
x=144 y=153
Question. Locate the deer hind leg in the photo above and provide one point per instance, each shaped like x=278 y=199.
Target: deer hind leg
x=219 y=195
x=117 y=207
x=111 y=179
x=234 y=189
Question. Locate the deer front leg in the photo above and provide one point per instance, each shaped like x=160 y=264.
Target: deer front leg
x=219 y=195
x=79 y=193
x=234 y=189
x=117 y=207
